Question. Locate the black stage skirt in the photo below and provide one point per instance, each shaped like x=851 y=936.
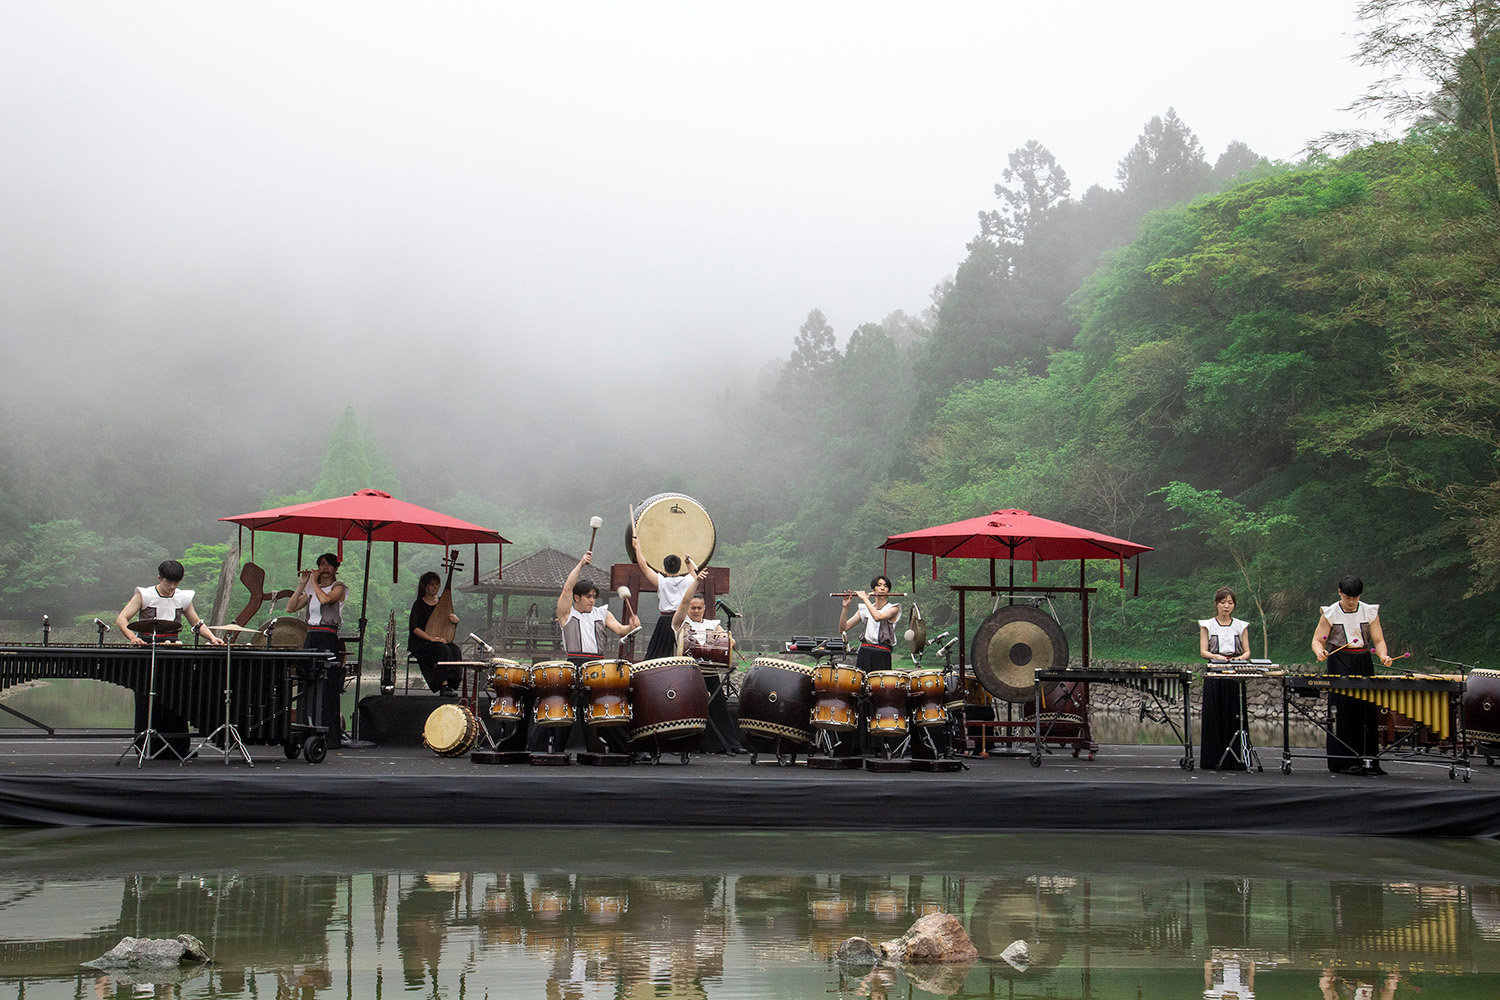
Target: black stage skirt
x=663 y=639
x=1355 y=734
x=873 y=657
x=429 y=655
x=1221 y=721
x=332 y=685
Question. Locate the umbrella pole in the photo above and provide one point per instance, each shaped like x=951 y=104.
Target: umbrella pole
x=359 y=662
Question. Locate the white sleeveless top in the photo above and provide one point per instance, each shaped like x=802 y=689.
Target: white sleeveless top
x=1224 y=639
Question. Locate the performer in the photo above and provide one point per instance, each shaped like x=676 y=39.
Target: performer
x=880 y=618
x=429 y=649
x=694 y=627
x=324 y=616
x=165 y=601
x=1347 y=631
x=671 y=591
x=583 y=629
x=1221 y=639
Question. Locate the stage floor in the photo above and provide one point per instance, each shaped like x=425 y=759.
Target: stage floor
x=74 y=781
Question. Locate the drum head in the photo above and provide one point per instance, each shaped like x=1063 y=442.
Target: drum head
x=1011 y=645
x=447 y=728
x=670 y=524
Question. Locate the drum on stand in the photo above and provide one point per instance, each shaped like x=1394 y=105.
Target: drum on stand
x=776 y=700
x=553 y=681
x=714 y=649
x=450 y=730
x=608 y=685
x=887 y=691
x=928 y=693
x=669 y=703
x=1482 y=711
x=837 y=689
x=287 y=631
x=507 y=679
x=670 y=524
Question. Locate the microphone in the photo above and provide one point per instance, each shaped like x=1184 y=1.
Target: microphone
x=940 y=636
x=487 y=647
x=101 y=626
x=950 y=642
x=727 y=609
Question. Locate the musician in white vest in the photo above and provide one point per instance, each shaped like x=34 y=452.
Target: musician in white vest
x=321 y=593
x=693 y=628
x=1348 y=630
x=673 y=587
x=1221 y=639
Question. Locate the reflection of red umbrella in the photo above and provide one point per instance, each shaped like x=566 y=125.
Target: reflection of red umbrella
x=371 y=516
x=1015 y=535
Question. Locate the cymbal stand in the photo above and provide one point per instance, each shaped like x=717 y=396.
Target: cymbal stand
x=231 y=732
x=142 y=742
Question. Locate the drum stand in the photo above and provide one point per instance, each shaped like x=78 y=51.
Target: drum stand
x=232 y=740
x=141 y=745
x=1240 y=749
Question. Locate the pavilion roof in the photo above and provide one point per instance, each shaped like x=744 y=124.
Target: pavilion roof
x=541 y=573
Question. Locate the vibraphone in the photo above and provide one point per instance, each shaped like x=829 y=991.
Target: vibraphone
x=1163 y=685
x=1434 y=702
x=189 y=680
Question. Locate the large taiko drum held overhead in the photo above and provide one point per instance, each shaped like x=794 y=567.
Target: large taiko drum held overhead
x=670 y=524
x=1482 y=709
x=668 y=699
x=450 y=730
x=553 y=680
x=1011 y=645
x=507 y=679
x=776 y=699
x=928 y=693
x=838 y=689
x=608 y=686
x=888 y=691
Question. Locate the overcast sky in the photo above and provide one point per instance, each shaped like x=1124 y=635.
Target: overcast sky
x=517 y=183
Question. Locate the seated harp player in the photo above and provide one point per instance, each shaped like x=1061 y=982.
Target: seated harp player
x=880 y=618
x=584 y=623
x=694 y=629
x=672 y=588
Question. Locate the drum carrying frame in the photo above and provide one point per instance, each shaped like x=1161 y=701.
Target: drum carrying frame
x=1011 y=590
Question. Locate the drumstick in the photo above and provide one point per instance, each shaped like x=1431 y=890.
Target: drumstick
x=624 y=593
x=596 y=522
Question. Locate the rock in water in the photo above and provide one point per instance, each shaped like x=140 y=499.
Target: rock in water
x=937 y=937
x=1018 y=954
x=856 y=951
x=137 y=953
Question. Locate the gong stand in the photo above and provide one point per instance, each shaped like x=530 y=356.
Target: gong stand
x=1010 y=589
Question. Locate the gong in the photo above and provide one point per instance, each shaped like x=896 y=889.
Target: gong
x=1011 y=645
x=917 y=633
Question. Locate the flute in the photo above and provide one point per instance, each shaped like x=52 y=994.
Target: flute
x=850 y=593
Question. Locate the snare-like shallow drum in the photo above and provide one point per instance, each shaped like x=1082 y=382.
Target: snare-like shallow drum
x=837 y=689
x=608 y=685
x=776 y=699
x=888 y=692
x=713 y=649
x=553 y=680
x=668 y=699
x=507 y=680
x=928 y=692
x=1482 y=708
x=450 y=730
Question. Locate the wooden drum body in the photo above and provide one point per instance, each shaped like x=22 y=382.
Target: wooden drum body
x=670 y=524
x=507 y=679
x=553 y=680
x=714 y=649
x=450 y=730
x=776 y=699
x=837 y=689
x=928 y=692
x=668 y=698
x=888 y=691
x=608 y=686
x=1482 y=708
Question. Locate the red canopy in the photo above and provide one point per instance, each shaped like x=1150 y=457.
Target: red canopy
x=1013 y=535
x=371 y=516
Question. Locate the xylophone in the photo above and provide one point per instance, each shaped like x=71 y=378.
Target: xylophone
x=1433 y=701
x=189 y=681
x=1164 y=685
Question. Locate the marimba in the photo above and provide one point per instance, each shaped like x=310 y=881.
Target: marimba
x=1163 y=685
x=1433 y=701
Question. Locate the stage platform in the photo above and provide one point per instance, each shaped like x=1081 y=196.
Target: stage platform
x=73 y=781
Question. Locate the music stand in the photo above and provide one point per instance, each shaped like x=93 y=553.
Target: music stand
x=154 y=631
x=227 y=727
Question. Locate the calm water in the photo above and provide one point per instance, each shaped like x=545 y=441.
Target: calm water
x=595 y=913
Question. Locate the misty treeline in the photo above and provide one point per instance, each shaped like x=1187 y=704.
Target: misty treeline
x=1273 y=373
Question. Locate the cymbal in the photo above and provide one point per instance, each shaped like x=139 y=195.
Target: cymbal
x=232 y=627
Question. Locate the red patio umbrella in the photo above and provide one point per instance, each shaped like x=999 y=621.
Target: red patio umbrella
x=371 y=516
